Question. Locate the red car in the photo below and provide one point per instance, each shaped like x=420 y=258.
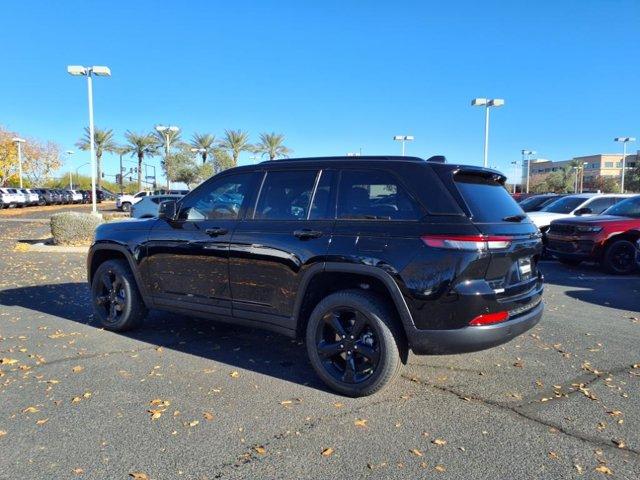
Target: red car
x=609 y=238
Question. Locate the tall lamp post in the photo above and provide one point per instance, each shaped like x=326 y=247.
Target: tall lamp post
x=69 y=153
x=515 y=175
x=526 y=155
x=19 y=141
x=166 y=130
x=624 y=141
x=487 y=103
x=584 y=164
x=89 y=72
x=403 y=138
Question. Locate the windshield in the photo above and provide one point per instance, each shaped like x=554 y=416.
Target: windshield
x=626 y=208
x=564 y=205
x=528 y=204
x=487 y=199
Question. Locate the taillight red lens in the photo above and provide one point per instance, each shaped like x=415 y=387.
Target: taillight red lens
x=489 y=318
x=467 y=242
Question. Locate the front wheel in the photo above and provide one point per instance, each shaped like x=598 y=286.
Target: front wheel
x=354 y=342
x=115 y=297
x=620 y=257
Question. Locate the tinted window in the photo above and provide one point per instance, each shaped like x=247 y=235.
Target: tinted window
x=220 y=199
x=321 y=206
x=486 y=197
x=286 y=195
x=564 y=205
x=626 y=208
x=374 y=195
x=599 y=205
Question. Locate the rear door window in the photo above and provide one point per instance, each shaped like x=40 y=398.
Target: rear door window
x=486 y=197
x=374 y=195
x=286 y=195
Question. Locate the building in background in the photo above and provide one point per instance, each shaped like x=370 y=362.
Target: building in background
x=603 y=165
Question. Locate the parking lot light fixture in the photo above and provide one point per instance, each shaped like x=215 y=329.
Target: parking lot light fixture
x=89 y=72
x=487 y=103
x=624 y=141
x=19 y=141
x=69 y=153
x=403 y=138
x=166 y=131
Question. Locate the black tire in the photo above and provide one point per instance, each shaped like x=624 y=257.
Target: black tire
x=572 y=262
x=126 y=207
x=119 y=308
x=620 y=257
x=335 y=355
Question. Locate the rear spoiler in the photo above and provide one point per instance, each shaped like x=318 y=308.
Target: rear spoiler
x=481 y=172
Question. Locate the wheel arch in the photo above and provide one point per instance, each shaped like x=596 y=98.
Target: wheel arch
x=324 y=279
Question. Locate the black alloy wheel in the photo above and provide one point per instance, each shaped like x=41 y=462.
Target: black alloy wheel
x=355 y=341
x=111 y=296
x=620 y=257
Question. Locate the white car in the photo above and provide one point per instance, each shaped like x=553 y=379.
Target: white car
x=579 y=204
x=20 y=199
x=32 y=198
x=149 y=206
x=7 y=198
x=124 y=202
x=76 y=196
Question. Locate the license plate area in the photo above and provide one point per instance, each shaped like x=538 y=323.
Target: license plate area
x=525 y=268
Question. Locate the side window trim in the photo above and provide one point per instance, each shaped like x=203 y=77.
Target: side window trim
x=254 y=207
x=313 y=193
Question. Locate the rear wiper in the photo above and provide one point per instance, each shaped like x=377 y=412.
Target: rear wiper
x=514 y=218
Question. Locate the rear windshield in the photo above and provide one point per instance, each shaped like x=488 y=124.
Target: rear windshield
x=564 y=205
x=487 y=198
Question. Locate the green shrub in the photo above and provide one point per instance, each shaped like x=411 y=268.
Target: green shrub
x=73 y=228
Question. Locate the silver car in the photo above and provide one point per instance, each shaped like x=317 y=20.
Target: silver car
x=148 y=206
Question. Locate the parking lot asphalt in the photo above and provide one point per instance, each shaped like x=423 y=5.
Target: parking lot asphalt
x=189 y=398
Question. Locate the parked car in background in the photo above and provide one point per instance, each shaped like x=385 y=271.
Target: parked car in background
x=31 y=198
x=99 y=195
x=125 y=201
x=609 y=238
x=170 y=192
x=538 y=202
x=367 y=258
x=21 y=198
x=149 y=206
x=76 y=196
x=7 y=199
x=574 y=205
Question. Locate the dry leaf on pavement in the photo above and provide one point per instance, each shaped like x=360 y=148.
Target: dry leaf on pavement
x=139 y=476
x=327 y=452
x=416 y=452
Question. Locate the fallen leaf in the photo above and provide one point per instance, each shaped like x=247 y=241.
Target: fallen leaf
x=615 y=413
x=327 y=452
x=360 y=422
x=338 y=405
x=553 y=455
x=193 y=423
x=604 y=469
x=2 y=433
x=234 y=374
x=139 y=476
x=42 y=421
x=78 y=471
x=160 y=403
x=77 y=368
x=76 y=399
x=579 y=469
x=619 y=443
x=440 y=468
x=208 y=415
x=260 y=450
x=416 y=452
x=155 y=413
x=439 y=441
x=8 y=361
x=30 y=410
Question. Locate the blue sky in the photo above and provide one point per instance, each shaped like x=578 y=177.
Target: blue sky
x=333 y=76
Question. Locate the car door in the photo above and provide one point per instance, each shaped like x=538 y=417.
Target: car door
x=187 y=257
x=285 y=234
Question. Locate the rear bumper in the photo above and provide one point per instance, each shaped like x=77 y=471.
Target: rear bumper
x=471 y=339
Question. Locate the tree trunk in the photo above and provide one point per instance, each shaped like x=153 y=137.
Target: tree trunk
x=140 y=157
x=235 y=159
x=99 y=171
x=204 y=158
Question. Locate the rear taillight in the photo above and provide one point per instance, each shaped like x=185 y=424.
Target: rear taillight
x=467 y=242
x=489 y=318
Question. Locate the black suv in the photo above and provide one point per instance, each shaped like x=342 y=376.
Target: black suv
x=365 y=258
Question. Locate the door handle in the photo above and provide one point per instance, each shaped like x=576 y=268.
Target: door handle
x=216 y=232
x=306 y=233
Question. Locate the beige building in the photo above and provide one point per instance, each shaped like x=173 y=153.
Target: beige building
x=600 y=165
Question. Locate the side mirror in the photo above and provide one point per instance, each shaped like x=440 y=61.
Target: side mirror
x=583 y=211
x=168 y=209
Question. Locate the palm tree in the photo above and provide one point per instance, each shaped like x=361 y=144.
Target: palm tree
x=166 y=140
x=236 y=141
x=205 y=143
x=139 y=145
x=103 y=141
x=272 y=144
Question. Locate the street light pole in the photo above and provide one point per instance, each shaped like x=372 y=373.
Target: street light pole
x=79 y=70
x=69 y=153
x=166 y=131
x=624 y=141
x=515 y=175
x=527 y=154
x=19 y=141
x=403 y=138
x=486 y=103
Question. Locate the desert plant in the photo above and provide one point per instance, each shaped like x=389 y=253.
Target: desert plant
x=103 y=142
x=272 y=145
x=235 y=142
x=73 y=228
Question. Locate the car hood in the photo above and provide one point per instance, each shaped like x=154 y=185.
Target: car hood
x=544 y=219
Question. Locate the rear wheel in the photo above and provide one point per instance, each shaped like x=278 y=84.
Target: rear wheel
x=620 y=257
x=115 y=297
x=126 y=207
x=354 y=342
